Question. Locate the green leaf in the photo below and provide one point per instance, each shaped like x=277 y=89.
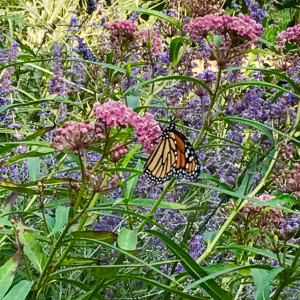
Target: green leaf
x=7 y=273
x=61 y=218
x=154 y=13
x=105 y=236
x=19 y=20
x=171 y=77
x=33 y=250
x=153 y=282
x=128 y=67
x=132 y=182
x=129 y=155
x=174 y=49
x=19 y=291
x=257 y=83
x=262 y=252
x=264 y=291
x=133 y=101
x=109 y=60
x=127 y=239
x=209 y=236
x=34 y=168
x=41 y=152
x=224 y=270
x=79 y=261
x=149 y=202
x=263 y=280
x=36 y=102
x=23 y=142
x=246 y=184
x=193 y=269
x=280 y=74
x=261 y=127
x=236 y=195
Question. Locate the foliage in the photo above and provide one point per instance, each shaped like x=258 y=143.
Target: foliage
x=86 y=88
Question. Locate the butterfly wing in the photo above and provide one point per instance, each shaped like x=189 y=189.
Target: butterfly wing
x=187 y=164
x=173 y=156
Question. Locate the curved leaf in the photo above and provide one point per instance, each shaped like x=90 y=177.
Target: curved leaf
x=171 y=77
x=7 y=273
x=193 y=269
x=19 y=291
x=154 y=13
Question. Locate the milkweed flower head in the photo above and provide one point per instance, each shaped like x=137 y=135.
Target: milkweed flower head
x=148 y=131
x=122 y=29
x=115 y=113
x=77 y=136
x=267 y=218
x=237 y=34
x=292 y=35
x=288 y=179
x=116 y=151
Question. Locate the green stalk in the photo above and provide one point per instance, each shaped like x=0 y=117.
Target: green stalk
x=236 y=210
x=57 y=166
x=42 y=280
x=156 y=204
x=211 y=106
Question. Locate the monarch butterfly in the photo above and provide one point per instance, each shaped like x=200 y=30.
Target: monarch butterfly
x=172 y=156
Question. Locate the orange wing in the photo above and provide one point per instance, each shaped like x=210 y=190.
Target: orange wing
x=173 y=156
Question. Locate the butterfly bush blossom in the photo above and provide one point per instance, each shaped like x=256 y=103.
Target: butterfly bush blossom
x=76 y=136
x=237 y=33
x=115 y=113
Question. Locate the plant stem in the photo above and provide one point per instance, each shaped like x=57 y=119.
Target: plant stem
x=236 y=210
x=211 y=106
x=156 y=204
x=45 y=220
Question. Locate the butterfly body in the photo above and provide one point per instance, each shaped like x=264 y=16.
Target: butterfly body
x=172 y=156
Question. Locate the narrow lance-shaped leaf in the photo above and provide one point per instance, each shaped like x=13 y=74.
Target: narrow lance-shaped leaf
x=61 y=218
x=33 y=250
x=132 y=182
x=19 y=291
x=154 y=13
x=174 y=49
x=105 y=236
x=193 y=269
x=7 y=273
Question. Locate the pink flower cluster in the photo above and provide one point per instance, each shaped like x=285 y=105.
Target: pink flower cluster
x=269 y=218
x=156 y=46
x=241 y=25
x=117 y=151
x=115 y=113
x=122 y=28
x=292 y=34
x=77 y=135
x=238 y=33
